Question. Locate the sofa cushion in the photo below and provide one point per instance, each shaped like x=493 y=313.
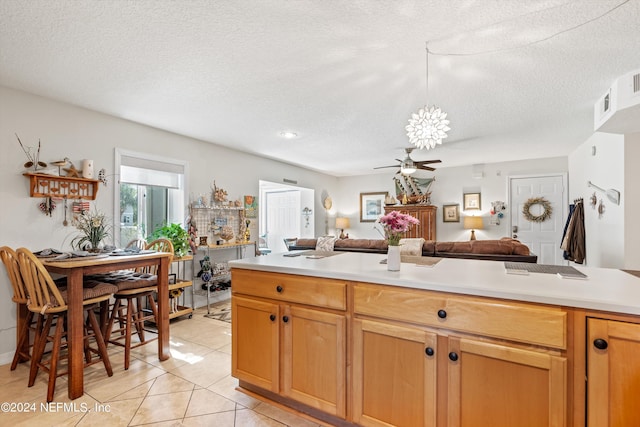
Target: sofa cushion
x=518 y=247
x=305 y=243
x=325 y=243
x=429 y=248
x=367 y=244
x=497 y=247
x=411 y=246
x=454 y=247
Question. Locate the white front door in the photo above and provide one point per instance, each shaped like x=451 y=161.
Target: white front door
x=543 y=238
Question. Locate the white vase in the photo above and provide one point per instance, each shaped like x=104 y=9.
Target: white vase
x=393 y=258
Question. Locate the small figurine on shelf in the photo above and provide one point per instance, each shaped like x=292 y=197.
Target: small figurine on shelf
x=247 y=231
x=174 y=294
x=227 y=233
x=219 y=195
x=205 y=271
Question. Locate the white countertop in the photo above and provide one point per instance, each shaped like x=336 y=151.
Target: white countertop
x=605 y=289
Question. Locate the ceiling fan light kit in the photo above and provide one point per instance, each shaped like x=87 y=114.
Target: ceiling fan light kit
x=408 y=167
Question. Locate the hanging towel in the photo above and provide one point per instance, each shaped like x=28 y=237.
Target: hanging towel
x=563 y=244
x=576 y=245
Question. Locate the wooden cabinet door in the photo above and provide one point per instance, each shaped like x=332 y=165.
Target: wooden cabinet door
x=426 y=214
x=501 y=386
x=255 y=342
x=315 y=358
x=394 y=375
x=613 y=376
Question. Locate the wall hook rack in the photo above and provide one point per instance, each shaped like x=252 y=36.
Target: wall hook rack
x=613 y=195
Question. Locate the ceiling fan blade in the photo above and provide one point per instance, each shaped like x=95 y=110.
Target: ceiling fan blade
x=426 y=168
x=426 y=162
x=382 y=167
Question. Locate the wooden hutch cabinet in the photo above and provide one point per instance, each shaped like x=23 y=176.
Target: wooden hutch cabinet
x=426 y=214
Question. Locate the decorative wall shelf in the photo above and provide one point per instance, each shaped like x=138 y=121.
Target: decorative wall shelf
x=43 y=185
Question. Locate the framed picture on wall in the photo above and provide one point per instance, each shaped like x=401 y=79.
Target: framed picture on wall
x=451 y=213
x=371 y=206
x=471 y=201
x=250 y=206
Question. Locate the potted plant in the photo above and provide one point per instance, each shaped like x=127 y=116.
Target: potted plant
x=178 y=236
x=94 y=228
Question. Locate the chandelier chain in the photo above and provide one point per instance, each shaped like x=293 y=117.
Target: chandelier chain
x=426 y=47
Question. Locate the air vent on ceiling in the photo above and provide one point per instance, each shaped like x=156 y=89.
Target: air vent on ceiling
x=636 y=83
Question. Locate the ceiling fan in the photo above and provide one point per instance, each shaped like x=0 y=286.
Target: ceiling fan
x=409 y=166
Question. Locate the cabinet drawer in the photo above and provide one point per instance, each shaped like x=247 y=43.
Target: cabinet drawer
x=528 y=323
x=398 y=304
x=522 y=322
x=316 y=291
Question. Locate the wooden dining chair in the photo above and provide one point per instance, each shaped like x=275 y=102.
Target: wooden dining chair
x=128 y=309
x=50 y=302
x=137 y=244
x=21 y=298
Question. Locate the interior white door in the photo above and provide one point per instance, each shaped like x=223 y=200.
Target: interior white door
x=283 y=218
x=543 y=238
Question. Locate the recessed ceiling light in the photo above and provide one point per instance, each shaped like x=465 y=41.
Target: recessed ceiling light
x=288 y=134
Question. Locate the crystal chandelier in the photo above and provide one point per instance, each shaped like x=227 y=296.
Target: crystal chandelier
x=429 y=126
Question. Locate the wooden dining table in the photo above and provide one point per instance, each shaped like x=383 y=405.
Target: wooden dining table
x=75 y=269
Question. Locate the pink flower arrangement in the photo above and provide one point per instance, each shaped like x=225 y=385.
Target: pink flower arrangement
x=395 y=224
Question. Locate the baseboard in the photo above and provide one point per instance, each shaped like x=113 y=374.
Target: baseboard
x=6 y=358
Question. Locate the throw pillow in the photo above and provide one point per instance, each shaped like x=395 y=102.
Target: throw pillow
x=325 y=243
x=411 y=246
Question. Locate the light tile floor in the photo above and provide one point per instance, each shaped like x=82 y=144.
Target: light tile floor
x=193 y=388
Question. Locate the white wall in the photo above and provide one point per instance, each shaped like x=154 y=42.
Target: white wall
x=605 y=234
x=77 y=133
x=631 y=199
x=448 y=188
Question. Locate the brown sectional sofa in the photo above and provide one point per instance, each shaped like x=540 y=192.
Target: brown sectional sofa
x=505 y=249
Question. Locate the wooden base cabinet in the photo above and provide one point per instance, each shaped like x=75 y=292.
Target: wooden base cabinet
x=456 y=361
x=293 y=350
x=613 y=373
x=255 y=343
x=394 y=375
x=314 y=359
x=501 y=386
x=392 y=356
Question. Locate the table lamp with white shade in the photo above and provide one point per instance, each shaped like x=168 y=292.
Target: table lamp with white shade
x=473 y=223
x=341 y=224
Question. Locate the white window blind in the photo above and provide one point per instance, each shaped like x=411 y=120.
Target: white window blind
x=136 y=170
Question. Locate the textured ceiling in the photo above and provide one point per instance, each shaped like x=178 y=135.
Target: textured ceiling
x=518 y=78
